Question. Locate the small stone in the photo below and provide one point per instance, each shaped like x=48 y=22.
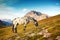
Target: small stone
x=40 y=33
x=47 y=35
x=32 y=34
x=58 y=37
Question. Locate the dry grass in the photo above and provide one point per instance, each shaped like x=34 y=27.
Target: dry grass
x=52 y=24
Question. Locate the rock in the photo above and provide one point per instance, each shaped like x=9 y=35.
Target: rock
x=58 y=37
x=47 y=35
x=32 y=34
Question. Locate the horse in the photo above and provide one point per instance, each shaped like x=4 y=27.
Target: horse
x=24 y=21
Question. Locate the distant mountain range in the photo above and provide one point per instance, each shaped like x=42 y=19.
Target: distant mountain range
x=1 y=23
x=37 y=15
x=5 y=22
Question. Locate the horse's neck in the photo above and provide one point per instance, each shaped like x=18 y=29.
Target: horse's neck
x=31 y=19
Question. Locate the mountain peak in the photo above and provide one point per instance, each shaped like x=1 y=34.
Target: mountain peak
x=37 y=15
x=34 y=12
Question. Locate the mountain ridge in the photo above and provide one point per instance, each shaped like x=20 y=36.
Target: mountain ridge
x=6 y=22
x=37 y=15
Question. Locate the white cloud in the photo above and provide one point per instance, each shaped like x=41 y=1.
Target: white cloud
x=51 y=11
x=6 y=12
x=24 y=10
x=10 y=12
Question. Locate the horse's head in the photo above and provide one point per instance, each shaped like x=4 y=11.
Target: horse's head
x=35 y=22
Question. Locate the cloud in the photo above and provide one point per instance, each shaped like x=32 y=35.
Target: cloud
x=50 y=10
x=7 y=12
x=10 y=12
x=24 y=10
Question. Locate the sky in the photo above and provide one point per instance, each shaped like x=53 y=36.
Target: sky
x=11 y=9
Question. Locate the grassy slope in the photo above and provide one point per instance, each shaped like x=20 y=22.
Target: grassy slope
x=52 y=24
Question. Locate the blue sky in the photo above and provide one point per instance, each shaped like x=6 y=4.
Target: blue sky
x=17 y=8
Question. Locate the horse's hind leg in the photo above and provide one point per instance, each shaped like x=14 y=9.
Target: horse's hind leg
x=24 y=29
x=15 y=30
x=25 y=26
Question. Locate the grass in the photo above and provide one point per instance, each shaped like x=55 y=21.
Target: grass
x=52 y=24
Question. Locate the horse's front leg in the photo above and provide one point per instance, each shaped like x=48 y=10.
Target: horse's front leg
x=24 y=29
x=13 y=28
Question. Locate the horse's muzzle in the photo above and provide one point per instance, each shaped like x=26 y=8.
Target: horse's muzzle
x=36 y=24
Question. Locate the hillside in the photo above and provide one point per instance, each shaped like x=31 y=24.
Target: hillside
x=48 y=29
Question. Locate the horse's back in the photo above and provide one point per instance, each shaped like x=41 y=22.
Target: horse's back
x=20 y=20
